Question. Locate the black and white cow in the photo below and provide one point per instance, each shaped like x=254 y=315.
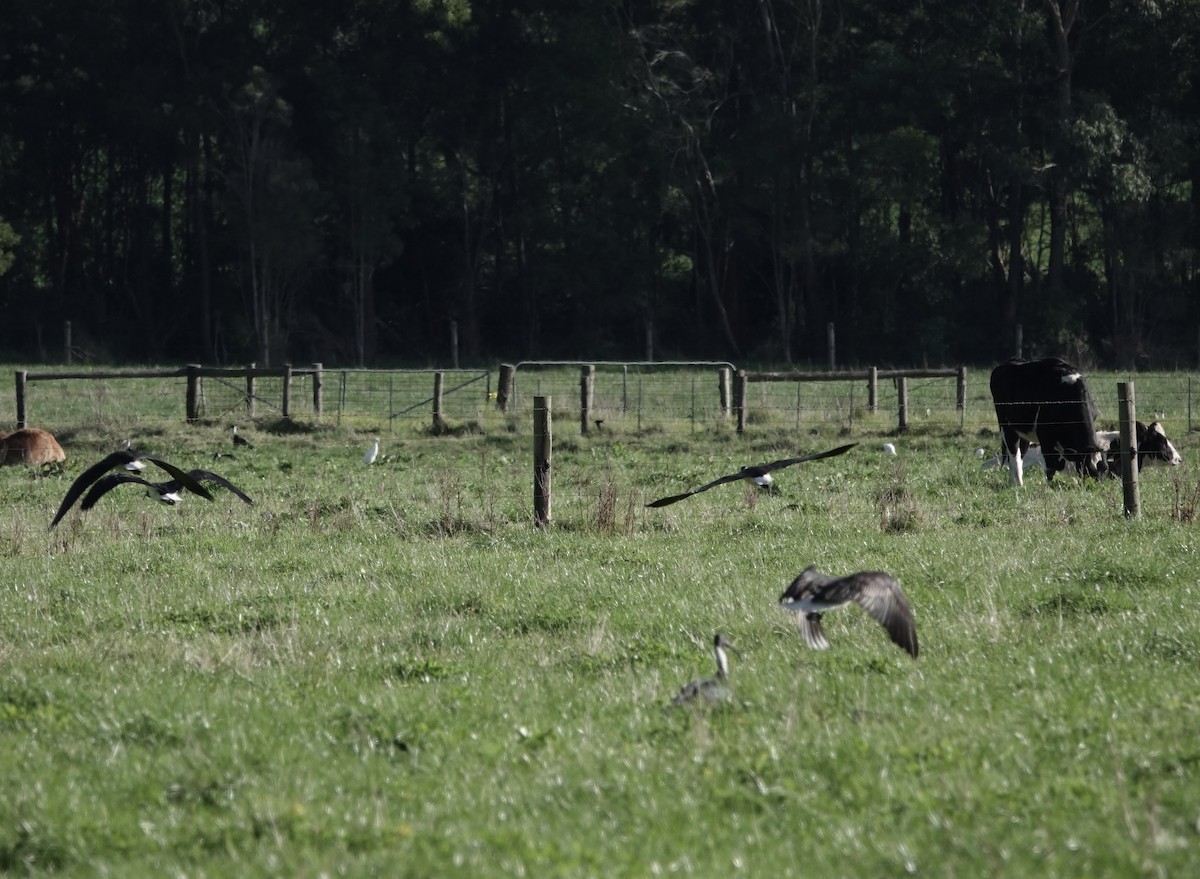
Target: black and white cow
x=1047 y=402
x=1153 y=447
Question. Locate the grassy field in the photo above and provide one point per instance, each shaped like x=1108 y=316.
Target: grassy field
x=387 y=670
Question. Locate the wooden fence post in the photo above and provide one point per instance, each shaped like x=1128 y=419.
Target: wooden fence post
x=902 y=388
x=22 y=414
x=438 y=382
x=193 y=387
x=318 y=380
x=831 y=341
x=250 y=389
x=1129 y=466
x=286 y=407
x=504 y=386
x=960 y=389
x=723 y=380
x=587 y=387
x=542 y=445
x=454 y=343
x=873 y=389
x=740 y=392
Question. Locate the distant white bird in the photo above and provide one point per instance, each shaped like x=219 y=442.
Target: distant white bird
x=812 y=594
x=711 y=689
x=372 y=453
x=979 y=453
x=889 y=449
x=238 y=440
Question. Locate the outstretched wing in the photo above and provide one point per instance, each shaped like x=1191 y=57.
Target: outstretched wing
x=105 y=484
x=880 y=596
x=751 y=471
x=88 y=476
x=675 y=498
x=815 y=456
x=184 y=479
x=208 y=476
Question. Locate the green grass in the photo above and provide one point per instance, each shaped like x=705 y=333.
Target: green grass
x=389 y=671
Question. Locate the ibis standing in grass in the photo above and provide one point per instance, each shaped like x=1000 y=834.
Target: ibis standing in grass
x=239 y=440
x=372 y=453
x=711 y=689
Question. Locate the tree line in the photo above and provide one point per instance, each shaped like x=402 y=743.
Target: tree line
x=235 y=180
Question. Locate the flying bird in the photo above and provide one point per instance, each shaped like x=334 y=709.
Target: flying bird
x=372 y=453
x=812 y=594
x=711 y=689
x=170 y=492
x=121 y=459
x=759 y=475
x=239 y=440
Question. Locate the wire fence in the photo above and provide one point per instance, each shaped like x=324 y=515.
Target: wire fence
x=626 y=397
x=601 y=484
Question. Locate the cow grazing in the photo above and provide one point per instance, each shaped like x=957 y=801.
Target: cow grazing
x=1047 y=402
x=1153 y=447
x=32 y=446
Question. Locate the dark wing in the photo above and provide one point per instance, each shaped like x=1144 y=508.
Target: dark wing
x=675 y=498
x=816 y=456
x=88 y=476
x=207 y=476
x=184 y=480
x=105 y=484
x=809 y=625
x=880 y=596
x=807 y=581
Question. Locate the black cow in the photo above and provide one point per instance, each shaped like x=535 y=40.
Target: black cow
x=1153 y=447
x=1047 y=402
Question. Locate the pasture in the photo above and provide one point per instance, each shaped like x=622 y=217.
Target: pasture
x=387 y=670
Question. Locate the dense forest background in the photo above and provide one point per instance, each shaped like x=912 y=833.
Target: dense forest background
x=235 y=180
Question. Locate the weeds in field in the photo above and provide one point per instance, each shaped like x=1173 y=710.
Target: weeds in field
x=390 y=670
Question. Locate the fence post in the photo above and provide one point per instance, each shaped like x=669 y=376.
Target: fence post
x=193 y=385
x=542 y=445
x=740 y=393
x=250 y=389
x=22 y=415
x=1129 y=466
x=873 y=389
x=960 y=389
x=318 y=388
x=587 y=388
x=286 y=409
x=454 y=343
x=831 y=341
x=438 y=382
x=902 y=388
x=723 y=379
x=504 y=386
x=67 y=342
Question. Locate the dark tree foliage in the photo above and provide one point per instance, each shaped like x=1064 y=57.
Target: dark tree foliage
x=236 y=180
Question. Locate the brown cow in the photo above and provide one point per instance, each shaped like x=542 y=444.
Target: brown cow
x=32 y=446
